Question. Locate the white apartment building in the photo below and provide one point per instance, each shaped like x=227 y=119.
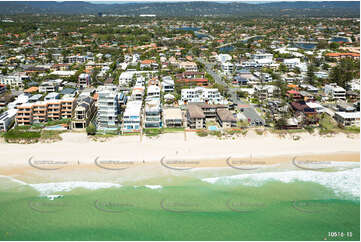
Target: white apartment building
x=132 y=116
x=335 y=92
x=153 y=92
x=202 y=94
x=14 y=80
x=6 y=118
x=108 y=108
x=266 y=91
x=292 y=63
x=49 y=86
x=84 y=80
x=167 y=84
x=262 y=58
x=152 y=114
x=227 y=67
x=125 y=78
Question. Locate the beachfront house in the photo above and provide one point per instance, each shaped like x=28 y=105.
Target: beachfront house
x=348 y=118
x=173 y=118
x=83 y=113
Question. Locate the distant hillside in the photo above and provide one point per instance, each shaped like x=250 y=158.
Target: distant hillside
x=187 y=9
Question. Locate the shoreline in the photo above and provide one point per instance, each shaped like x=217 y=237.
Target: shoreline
x=126 y=158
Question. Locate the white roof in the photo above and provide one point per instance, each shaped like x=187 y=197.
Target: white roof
x=347 y=115
x=314 y=105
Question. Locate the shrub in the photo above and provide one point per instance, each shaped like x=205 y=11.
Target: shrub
x=18 y=135
x=91 y=130
x=202 y=133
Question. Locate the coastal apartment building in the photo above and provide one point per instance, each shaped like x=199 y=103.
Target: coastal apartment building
x=132 y=116
x=152 y=114
x=83 y=113
x=108 y=108
x=225 y=118
x=201 y=94
x=335 y=92
x=6 y=119
x=43 y=111
x=196 y=119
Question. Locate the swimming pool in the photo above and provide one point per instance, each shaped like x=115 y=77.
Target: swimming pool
x=55 y=127
x=212 y=128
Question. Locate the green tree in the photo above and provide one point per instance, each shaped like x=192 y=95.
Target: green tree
x=91 y=130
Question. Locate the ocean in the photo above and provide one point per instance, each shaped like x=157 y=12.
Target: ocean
x=201 y=204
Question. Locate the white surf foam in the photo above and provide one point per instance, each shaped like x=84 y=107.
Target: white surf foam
x=13 y=180
x=346 y=181
x=48 y=188
x=153 y=186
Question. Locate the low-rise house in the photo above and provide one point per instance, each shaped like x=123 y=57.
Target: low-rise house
x=188 y=66
x=335 y=92
x=348 y=118
x=35 y=98
x=309 y=88
x=316 y=106
x=5 y=99
x=173 y=118
x=83 y=113
x=225 y=118
x=6 y=119
x=49 y=86
x=339 y=56
x=52 y=96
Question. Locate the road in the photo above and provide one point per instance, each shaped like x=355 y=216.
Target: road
x=248 y=111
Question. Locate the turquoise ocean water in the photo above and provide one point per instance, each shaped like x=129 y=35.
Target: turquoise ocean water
x=199 y=205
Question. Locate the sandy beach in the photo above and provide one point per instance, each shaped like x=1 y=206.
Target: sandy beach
x=82 y=158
